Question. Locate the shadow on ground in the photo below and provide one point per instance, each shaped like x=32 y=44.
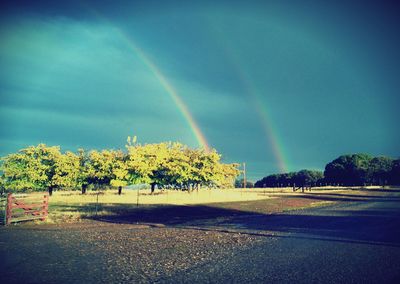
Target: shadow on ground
x=354 y=220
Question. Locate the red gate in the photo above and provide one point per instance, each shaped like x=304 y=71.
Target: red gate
x=26 y=207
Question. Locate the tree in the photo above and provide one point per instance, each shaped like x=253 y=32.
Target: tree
x=239 y=183
x=225 y=175
x=177 y=170
x=119 y=170
x=394 y=175
x=307 y=178
x=32 y=168
x=380 y=168
x=84 y=169
x=302 y=178
x=205 y=168
x=144 y=163
x=100 y=167
x=67 y=171
x=16 y=176
x=268 y=181
x=349 y=170
x=171 y=165
x=2 y=185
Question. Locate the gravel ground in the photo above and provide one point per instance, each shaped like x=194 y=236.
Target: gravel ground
x=156 y=245
x=103 y=252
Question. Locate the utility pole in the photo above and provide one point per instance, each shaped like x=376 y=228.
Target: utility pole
x=244 y=175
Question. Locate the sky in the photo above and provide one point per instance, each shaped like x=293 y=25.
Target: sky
x=278 y=85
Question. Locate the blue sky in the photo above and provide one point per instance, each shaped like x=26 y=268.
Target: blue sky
x=318 y=80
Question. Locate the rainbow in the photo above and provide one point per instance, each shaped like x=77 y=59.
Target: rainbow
x=268 y=129
x=183 y=108
x=171 y=91
x=270 y=133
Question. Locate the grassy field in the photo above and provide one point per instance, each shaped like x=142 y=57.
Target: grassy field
x=72 y=206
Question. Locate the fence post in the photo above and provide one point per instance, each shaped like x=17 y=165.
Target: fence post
x=9 y=208
x=45 y=210
x=97 y=201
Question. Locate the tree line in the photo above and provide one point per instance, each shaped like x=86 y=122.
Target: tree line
x=163 y=165
x=346 y=170
x=301 y=179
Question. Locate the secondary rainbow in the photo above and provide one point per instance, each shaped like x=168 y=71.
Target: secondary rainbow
x=269 y=131
x=268 y=128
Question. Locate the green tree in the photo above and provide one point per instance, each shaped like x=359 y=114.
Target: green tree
x=380 y=168
x=239 y=183
x=349 y=170
x=67 y=171
x=225 y=175
x=84 y=169
x=100 y=167
x=307 y=178
x=119 y=177
x=32 y=168
x=177 y=171
x=3 y=188
x=394 y=175
x=145 y=163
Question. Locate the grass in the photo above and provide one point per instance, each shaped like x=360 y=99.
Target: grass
x=72 y=206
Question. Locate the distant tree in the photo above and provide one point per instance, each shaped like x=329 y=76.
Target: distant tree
x=349 y=170
x=259 y=184
x=302 y=178
x=307 y=178
x=268 y=181
x=286 y=179
x=379 y=170
x=239 y=183
x=394 y=175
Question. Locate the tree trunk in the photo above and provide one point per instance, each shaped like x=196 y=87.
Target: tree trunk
x=50 y=190
x=84 y=186
x=119 y=190
x=153 y=186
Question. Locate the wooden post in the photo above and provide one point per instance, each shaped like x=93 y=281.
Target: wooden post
x=45 y=210
x=97 y=201
x=244 y=175
x=9 y=209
